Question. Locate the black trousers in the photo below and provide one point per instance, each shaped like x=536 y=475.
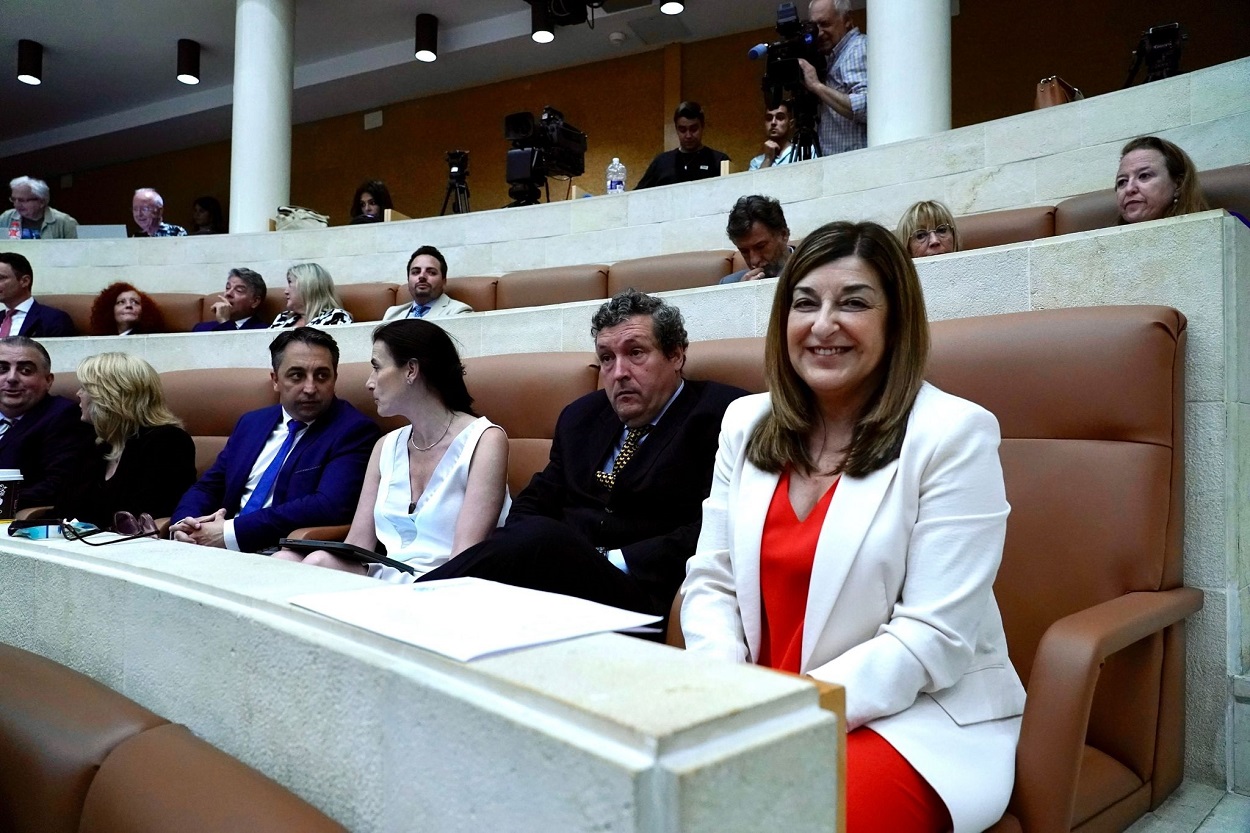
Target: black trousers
x=544 y=554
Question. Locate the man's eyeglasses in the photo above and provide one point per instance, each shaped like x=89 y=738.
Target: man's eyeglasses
x=149 y=209
x=19 y=200
x=124 y=524
x=922 y=235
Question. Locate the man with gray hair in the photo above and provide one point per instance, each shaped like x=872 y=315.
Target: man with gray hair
x=843 y=92
x=616 y=513
x=236 y=308
x=31 y=218
x=148 y=208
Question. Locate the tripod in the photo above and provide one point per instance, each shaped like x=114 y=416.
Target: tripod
x=806 y=140
x=460 y=187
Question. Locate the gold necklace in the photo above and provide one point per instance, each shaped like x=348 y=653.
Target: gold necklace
x=416 y=447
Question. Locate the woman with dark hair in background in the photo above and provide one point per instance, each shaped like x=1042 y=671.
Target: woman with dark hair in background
x=120 y=309
x=369 y=201
x=145 y=461
x=206 y=216
x=436 y=486
x=853 y=533
x=1156 y=179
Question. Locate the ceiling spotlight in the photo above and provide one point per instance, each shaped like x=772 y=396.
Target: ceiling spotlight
x=672 y=7
x=541 y=29
x=427 y=38
x=29 y=62
x=188 y=61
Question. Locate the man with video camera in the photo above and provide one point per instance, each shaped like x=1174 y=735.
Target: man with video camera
x=844 y=90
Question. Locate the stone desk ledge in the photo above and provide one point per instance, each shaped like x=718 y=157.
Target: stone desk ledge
x=602 y=733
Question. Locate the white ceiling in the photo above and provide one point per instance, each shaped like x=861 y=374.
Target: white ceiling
x=109 y=91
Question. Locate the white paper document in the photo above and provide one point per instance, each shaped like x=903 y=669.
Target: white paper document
x=466 y=618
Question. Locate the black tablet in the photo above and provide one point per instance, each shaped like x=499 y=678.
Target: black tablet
x=345 y=550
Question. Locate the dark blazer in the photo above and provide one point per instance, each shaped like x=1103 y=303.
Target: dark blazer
x=253 y=323
x=47 y=322
x=157 y=465
x=654 y=514
x=319 y=483
x=50 y=444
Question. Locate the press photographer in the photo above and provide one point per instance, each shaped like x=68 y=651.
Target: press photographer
x=843 y=89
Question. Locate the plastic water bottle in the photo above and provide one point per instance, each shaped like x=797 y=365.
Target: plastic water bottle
x=15 y=227
x=616 y=177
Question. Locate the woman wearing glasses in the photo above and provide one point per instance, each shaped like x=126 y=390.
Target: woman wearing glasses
x=927 y=228
x=144 y=460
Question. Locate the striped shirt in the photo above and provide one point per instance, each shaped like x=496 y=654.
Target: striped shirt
x=848 y=73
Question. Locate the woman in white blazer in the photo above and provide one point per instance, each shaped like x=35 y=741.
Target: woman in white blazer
x=853 y=533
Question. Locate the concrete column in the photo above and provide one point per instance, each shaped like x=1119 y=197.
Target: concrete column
x=909 y=69
x=264 y=79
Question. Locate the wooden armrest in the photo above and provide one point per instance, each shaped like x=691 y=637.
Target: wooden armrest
x=1061 y=693
x=321 y=533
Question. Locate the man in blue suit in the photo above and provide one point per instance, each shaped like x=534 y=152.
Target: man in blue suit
x=236 y=308
x=22 y=314
x=299 y=463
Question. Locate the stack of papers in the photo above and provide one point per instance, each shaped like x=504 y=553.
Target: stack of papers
x=467 y=618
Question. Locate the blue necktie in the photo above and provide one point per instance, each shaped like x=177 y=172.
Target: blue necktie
x=419 y=310
x=270 y=477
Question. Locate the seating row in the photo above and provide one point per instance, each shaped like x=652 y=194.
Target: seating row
x=1090 y=585
x=77 y=757
x=1227 y=188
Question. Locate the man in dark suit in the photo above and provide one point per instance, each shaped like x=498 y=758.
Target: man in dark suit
x=40 y=434
x=295 y=464
x=23 y=315
x=616 y=513
x=235 y=308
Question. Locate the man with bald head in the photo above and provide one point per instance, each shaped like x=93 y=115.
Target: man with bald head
x=843 y=92
x=149 y=212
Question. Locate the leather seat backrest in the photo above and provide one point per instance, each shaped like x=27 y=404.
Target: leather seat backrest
x=1089 y=403
x=181 y=310
x=368 y=301
x=663 y=273
x=555 y=285
x=210 y=402
x=56 y=728
x=168 y=779
x=351 y=386
x=76 y=306
x=478 y=291
x=524 y=393
x=731 y=361
x=996 y=228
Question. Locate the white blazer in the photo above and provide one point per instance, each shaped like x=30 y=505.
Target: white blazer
x=443 y=306
x=900 y=610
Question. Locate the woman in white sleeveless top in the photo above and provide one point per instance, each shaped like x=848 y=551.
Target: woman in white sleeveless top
x=438 y=485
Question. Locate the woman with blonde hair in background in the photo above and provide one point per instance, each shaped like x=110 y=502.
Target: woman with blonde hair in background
x=144 y=460
x=927 y=228
x=311 y=300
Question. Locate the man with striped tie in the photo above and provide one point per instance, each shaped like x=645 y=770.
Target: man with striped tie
x=427 y=282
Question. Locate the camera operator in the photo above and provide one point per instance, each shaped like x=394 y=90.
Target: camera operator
x=691 y=159
x=844 y=90
x=778 y=146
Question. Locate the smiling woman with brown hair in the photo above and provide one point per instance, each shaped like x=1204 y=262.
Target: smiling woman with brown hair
x=853 y=533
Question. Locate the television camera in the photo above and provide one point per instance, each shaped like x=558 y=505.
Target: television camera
x=542 y=147
x=783 y=77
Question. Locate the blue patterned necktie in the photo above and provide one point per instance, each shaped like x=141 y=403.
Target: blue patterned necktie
x=270 y=477
x=419 y=310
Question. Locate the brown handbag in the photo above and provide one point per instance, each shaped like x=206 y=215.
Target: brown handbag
x=1054 y=90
